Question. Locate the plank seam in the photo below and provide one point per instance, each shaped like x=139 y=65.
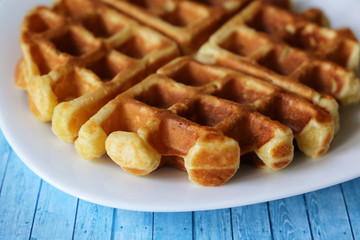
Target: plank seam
x=308 y=217
x=75 y=219
x=113 y=224
x=6 y=166
x=152 y=232
x=193 y=225
x=231 y=225
x=35 y=209
x=347 y=211
x=269 y=219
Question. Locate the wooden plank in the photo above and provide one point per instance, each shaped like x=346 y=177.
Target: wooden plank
x=215 y=224
x=173 y=226
x=132 y=225
x=18 y=200
x=251 y=222
x=289 y=218
x=5 y=151
x=351 y=191
x=327 y=214
x=93 y=221
x=55 y=214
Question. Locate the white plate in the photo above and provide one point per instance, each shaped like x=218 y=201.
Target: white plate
x=104 y=183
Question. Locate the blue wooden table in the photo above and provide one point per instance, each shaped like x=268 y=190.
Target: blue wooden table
x=32 y=209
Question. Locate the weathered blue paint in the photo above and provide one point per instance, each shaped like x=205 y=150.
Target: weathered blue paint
x=18 y=200
x=93 y=221
x=351 y=191
x=289 y=219
x=251 y=222
x=215 y=224
x=327 y=214
x=4 y=157
x=55 y=214
x=173 y=226
x=132 y=225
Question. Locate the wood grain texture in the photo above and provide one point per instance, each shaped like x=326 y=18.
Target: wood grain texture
x=215 y=224
x=18 y=200
x=251 y=222
x=132 y=225
x=55 y=214
x=5 y=151
x=351 y=191
x=289 y=218
x=327 y=214
x=93 y=221
x=172 y=226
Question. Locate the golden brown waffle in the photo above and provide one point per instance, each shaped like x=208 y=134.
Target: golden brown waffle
x=189 y=23
x=79 y=55
x=281 y=47
x=277 y=81
x=313 y=127
x=212 y=130
x=189 y=100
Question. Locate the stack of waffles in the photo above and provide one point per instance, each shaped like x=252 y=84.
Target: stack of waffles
x=195 y=85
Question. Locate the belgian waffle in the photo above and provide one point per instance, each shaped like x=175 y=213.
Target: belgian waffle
x=263 y=80
x=73 y=65
x=169 y=111
x=282 y=47
x=312 y=126
x=188 y=100
x=189 y=23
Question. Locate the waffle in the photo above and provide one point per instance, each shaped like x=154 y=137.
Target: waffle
x=188 y=100
x=72 y=66
x=282 y=47
x=255 y=81
x=189 y=23
x=169 y=111
x=312 y=126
